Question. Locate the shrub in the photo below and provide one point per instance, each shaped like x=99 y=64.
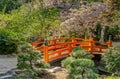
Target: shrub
x=80 y=65
x=80 y=53
x=8 y=42
x=113 y=30
x=29 y=58
x=30 y=61
x=82 y=69
x=42 y=65
x=67 y=61
x=77 y=52
x=8 y=5
x=112 y=58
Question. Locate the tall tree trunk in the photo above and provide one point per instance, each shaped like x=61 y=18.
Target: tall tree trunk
x=103 y=33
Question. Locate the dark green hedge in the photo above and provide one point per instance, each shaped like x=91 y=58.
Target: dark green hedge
x=8 y=42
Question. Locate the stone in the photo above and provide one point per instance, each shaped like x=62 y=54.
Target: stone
x=6 y=77
x=53 y=70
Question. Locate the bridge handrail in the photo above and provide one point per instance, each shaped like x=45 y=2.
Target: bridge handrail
x=56 y=46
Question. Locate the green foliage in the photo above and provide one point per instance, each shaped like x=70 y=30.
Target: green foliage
x=27 y=74
x=8 y=5
x=8 y=41
x=29 y=58
x=78 y=52
x=112 y=77
x=113 y=31
x=93 y=0
x=42 y=65
x=77 y=48
x=115 y=4
x=29 y=21
x=80 y=65
x=30 y=55
x=67 y=61
x=98 y=31
x=82 y=69
x=30 y=62
x=112 y=58
x=75 y=1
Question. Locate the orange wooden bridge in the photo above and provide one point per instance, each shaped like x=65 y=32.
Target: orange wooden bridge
x=62 y=47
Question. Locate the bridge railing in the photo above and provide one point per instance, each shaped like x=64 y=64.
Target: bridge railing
x=62 y=47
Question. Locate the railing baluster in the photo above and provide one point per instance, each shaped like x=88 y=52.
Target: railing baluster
x=91 y=45
x=46 y=56
x=69 y=48
x=73 y=41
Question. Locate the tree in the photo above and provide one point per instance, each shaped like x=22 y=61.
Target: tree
x=28 y=21
x=83 y=20
x=28 y=62
x=114 y=4
x=80 y=65
x=111 y=59
x=108 y=17
x=82 y=69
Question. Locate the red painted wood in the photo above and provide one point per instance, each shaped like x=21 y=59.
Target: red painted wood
x=61 y=47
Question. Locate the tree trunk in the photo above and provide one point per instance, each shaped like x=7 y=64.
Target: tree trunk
x=103 y=33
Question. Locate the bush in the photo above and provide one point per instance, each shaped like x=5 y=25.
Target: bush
x=80 y=53
x=80 y=65
x=82 y=69
x=8 y=5
x=113 y=30
x=111 y=58
x=77 y=52
x=30 y=60
x=42 y=65
x=29 y=57
x=67 y=61
x=8 y=42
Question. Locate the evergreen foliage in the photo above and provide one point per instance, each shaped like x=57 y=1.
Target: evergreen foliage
x=82 y=69
x=28 y=61
x=111 y=59
x=80 y=65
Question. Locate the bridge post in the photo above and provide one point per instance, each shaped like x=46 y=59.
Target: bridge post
x=46 y=56
x=54 y=42
x=110 y=41
x=33 y=43
x=69 y=48
x=91 y=44
x=73 y=41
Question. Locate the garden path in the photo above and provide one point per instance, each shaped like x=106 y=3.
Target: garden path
x=7 y=63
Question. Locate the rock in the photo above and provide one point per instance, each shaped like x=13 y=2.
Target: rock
x=6 y=77
x=53 y=70
x=17 y=71
x=9 y=74
x=64 y=6
x=76 y=6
